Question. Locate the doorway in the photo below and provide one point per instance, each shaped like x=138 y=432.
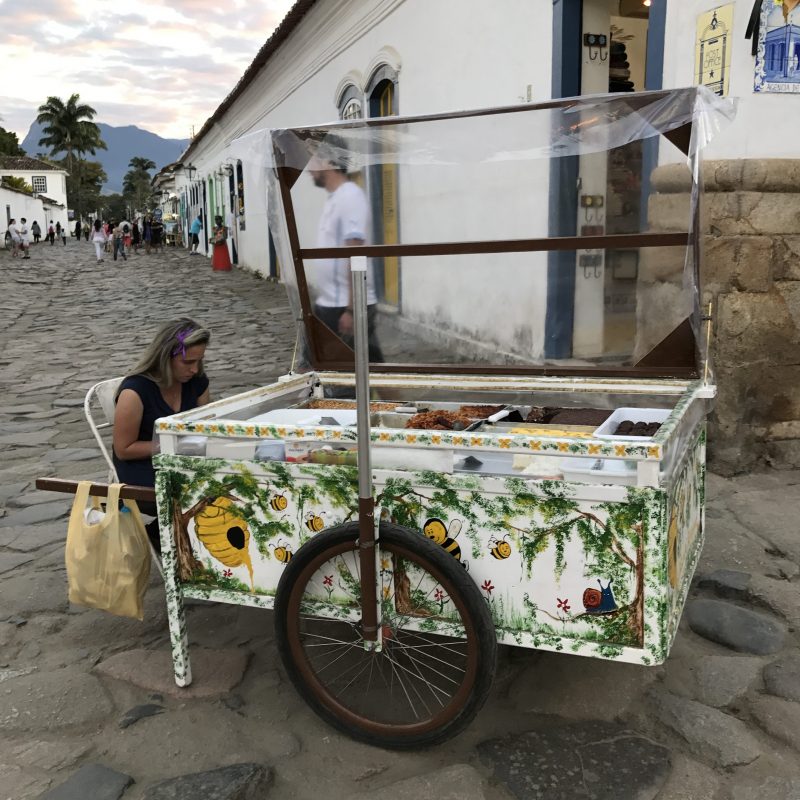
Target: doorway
x=612 y=198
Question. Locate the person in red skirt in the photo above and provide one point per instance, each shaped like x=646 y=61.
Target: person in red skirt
x=220 y=259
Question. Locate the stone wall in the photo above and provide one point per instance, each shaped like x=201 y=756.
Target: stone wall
x=751 y=270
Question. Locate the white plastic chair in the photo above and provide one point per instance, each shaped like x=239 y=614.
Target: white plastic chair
x=104 y=394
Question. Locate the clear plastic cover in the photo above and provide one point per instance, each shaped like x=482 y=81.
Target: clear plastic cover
x=527 y=237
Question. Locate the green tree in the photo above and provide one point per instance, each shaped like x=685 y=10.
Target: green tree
x=17 y=183
x=68 y=129
x=112 y=206
x=85 y=188
x=136 y=185
x=9 y=144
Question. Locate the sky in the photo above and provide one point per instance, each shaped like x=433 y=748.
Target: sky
x=164 y=66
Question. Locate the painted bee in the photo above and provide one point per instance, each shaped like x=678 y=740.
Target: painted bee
x=224 y=534
x=314 y=522
x=279 y=502
x=501 y=549
x=282 y=552
x=436 y=531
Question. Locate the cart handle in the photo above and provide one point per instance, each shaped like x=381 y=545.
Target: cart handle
x=127 y=492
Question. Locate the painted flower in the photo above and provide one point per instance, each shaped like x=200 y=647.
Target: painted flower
x=180 y=427
x=654 y=452
x=504 y=443
x=411 y=438
x=536 y=445
x=487 y=586
x=299 y=432
x=436 y=439
x=199 y=428
x=438 y=595
x=281 y=433
x=337 y=434
x=229 y=429
x=563 y=605
x=458 y=440
x=328 y=580
x=214 y=428
x=385 y=563
x=475 y=441
x=250 y=430
x=227 y=573
x=594 y=449
x=384 y=437
x=563 y=447
x=319 y=433
x=620 y=450
x=386 y=592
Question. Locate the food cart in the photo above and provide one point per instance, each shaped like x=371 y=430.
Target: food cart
x=536 y=463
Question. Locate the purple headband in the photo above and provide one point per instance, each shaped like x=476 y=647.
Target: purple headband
x=181 y=337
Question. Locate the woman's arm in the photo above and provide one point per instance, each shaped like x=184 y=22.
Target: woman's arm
x=127 y=419
x=204 y=398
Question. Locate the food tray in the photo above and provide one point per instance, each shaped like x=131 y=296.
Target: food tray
x=606 y=430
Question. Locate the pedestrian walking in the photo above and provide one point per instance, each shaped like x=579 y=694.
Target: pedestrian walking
x=99 y=238
x=24 y=238
x=118 y=237
x=36 y=231
x=147 y=234
x=64 y=235
x=13 y=232
x=345 y=220
x=78 y=230
x=157 y=235
x=51 y=233
x=194 y=235
x=58 y=229
x=136 y=236
x=87 y=229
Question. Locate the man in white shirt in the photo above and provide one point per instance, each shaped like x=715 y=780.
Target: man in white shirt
x=24 y=238
x=16 y=241
x=345 y=222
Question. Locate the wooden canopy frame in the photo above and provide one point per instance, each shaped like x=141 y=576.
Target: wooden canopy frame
x=676 y=356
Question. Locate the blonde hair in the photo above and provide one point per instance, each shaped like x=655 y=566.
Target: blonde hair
x=171 y=339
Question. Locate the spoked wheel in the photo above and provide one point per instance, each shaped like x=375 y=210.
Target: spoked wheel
x=439 y=650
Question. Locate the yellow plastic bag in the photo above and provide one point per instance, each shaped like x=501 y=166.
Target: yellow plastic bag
x=108 y=561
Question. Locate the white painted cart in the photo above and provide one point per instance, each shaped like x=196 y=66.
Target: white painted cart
x=549 y=525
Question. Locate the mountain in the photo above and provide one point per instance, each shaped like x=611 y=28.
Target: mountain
x=123 y=144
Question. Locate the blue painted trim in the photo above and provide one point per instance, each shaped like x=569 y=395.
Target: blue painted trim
x=562 y=211
x=653 y=80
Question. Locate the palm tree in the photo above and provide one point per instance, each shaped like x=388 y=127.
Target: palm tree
x=136 y=183
x=68 y=128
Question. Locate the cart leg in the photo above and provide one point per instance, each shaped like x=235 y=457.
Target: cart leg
x=174 y=593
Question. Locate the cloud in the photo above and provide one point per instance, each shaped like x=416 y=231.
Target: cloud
x=163 y=67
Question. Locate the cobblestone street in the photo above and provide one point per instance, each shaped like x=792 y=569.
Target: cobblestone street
x=88 y=699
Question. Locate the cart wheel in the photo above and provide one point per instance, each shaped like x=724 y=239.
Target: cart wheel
x=439 y=652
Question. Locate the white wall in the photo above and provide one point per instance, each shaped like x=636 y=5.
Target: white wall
x=23 y=205
x=761 y=116
x=447 y=55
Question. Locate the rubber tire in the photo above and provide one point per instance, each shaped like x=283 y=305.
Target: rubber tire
x=471 y=599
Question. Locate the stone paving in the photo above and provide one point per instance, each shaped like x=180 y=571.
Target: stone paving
x=87 y=704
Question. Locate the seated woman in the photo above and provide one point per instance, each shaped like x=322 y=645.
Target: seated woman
x=168 y=379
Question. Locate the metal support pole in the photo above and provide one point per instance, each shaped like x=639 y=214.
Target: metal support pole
x=366 y=503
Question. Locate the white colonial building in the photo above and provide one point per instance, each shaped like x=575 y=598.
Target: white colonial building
x=49 y=199
x=344 y=59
